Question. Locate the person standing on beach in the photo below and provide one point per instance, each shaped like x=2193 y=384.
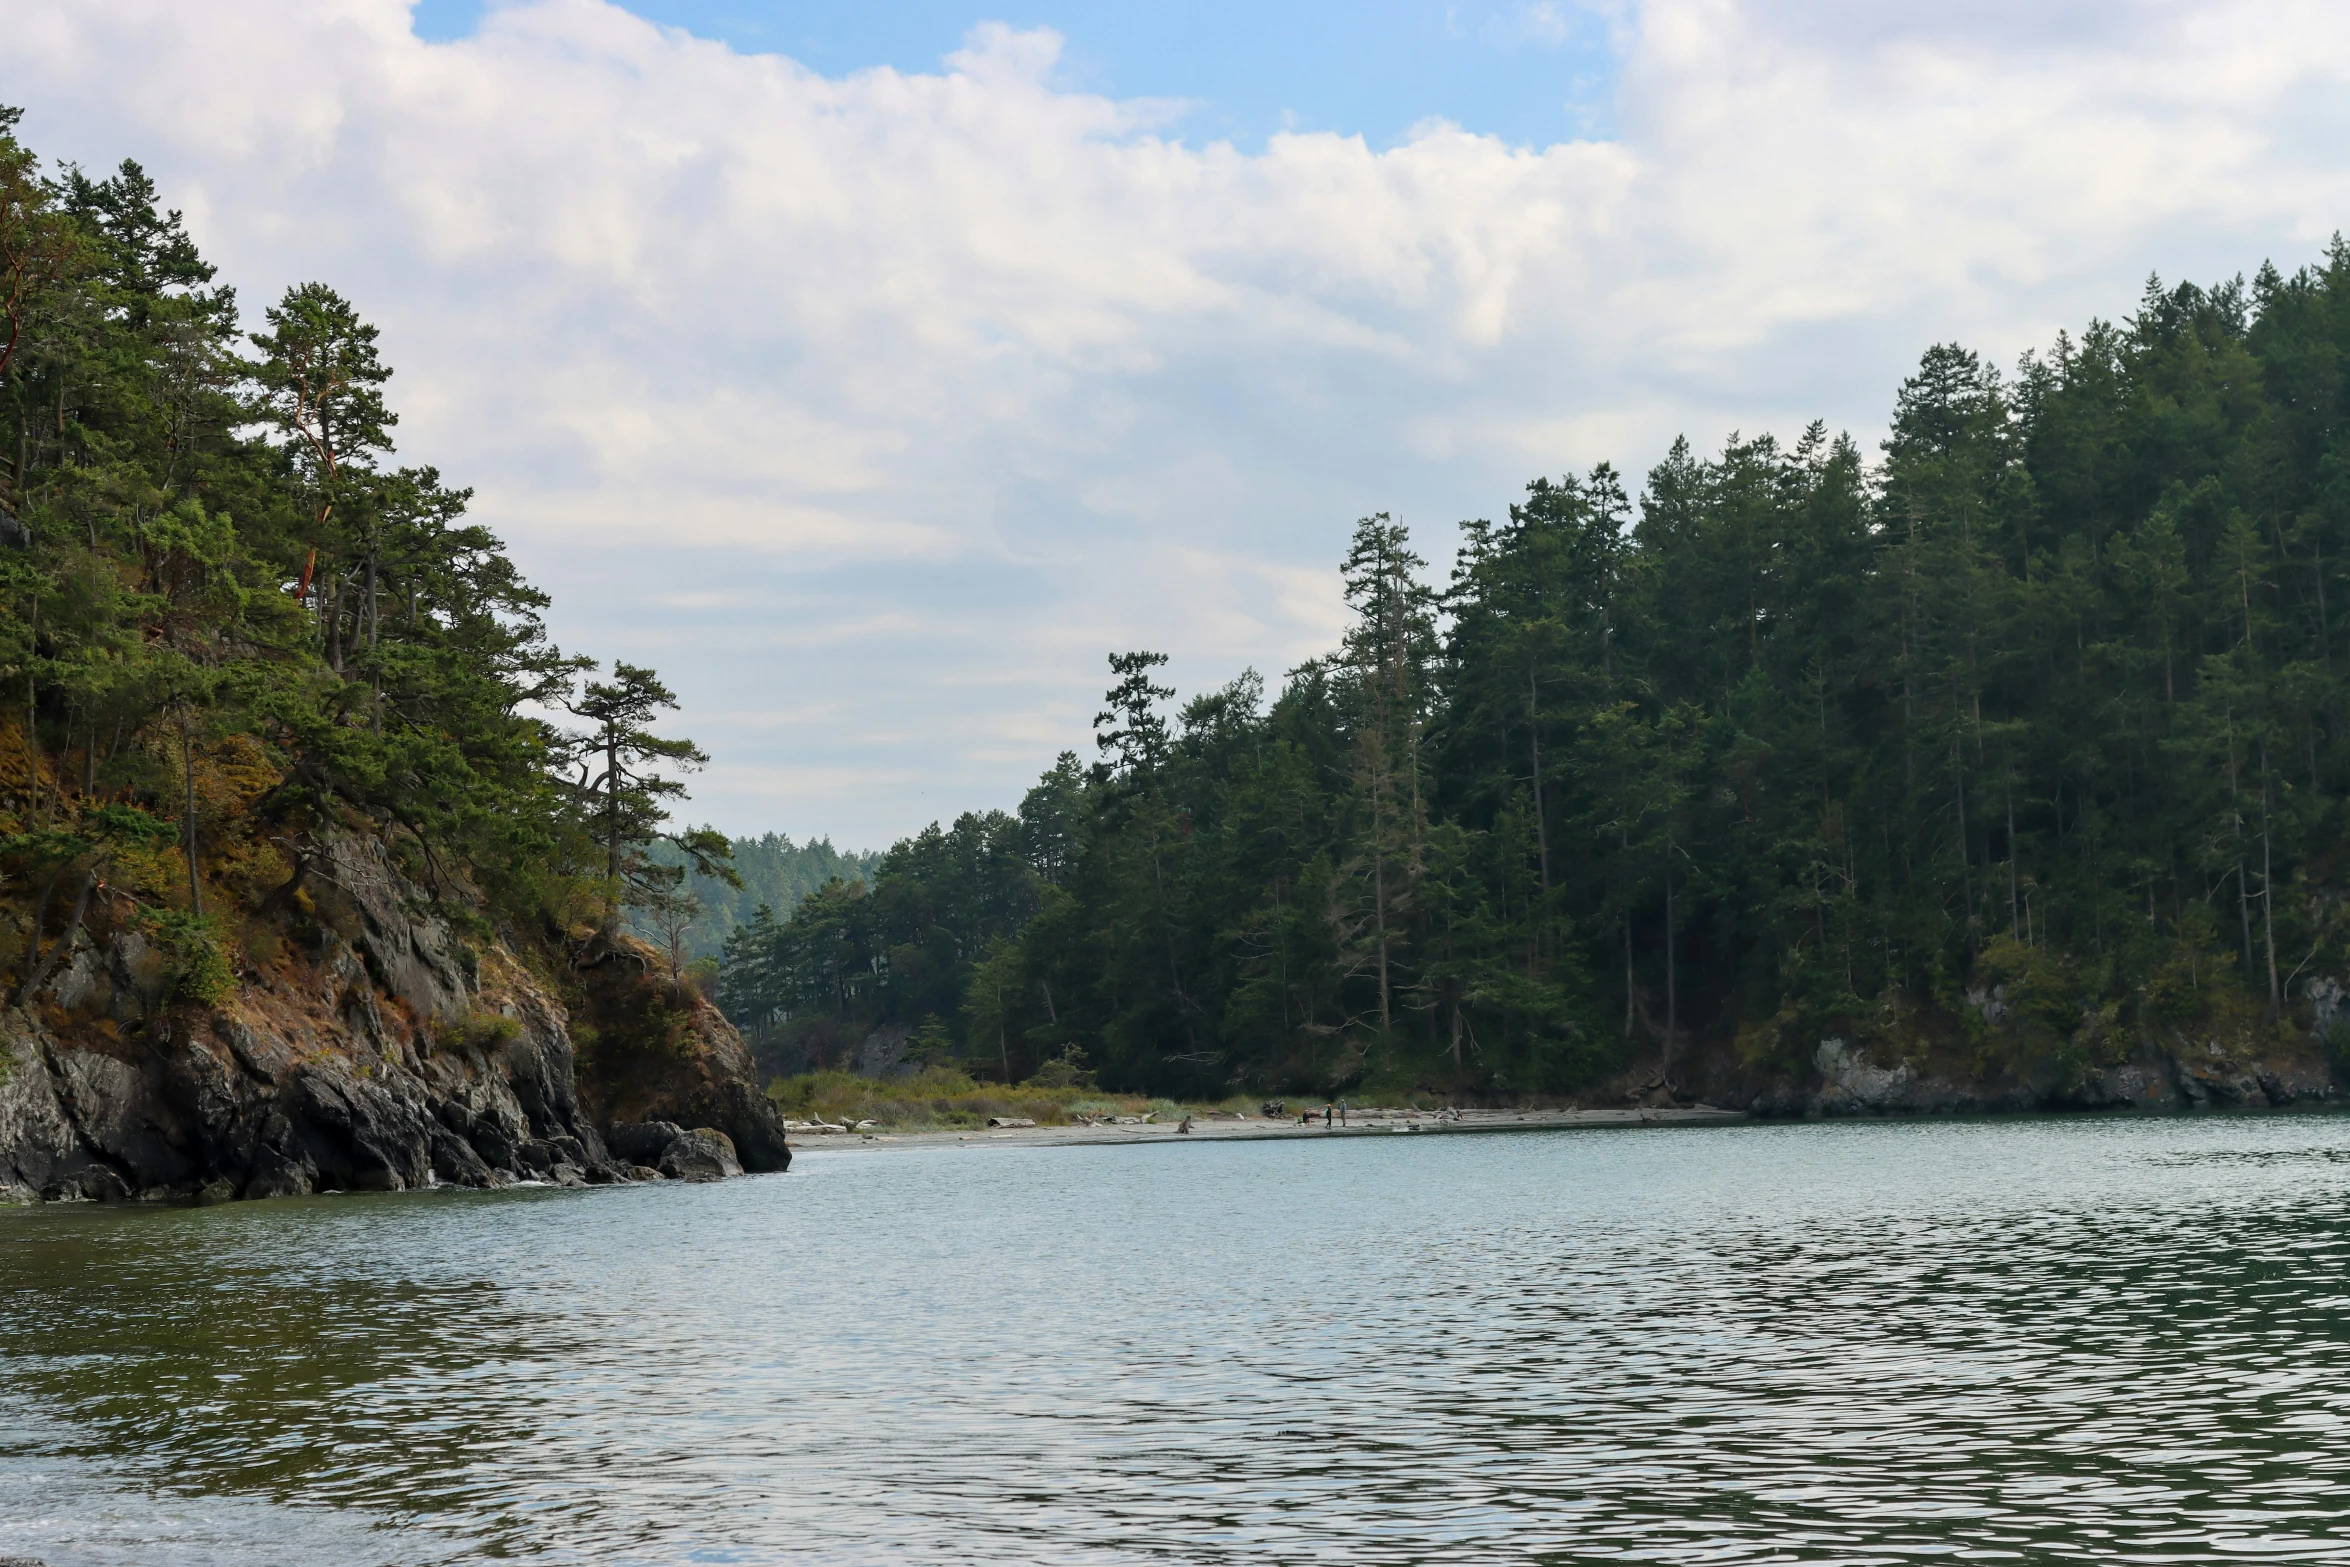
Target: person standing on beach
x=1328 y=1110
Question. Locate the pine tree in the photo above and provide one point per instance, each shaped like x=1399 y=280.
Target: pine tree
x=624 y=795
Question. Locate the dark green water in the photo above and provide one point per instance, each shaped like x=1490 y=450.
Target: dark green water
x=2023 y=1341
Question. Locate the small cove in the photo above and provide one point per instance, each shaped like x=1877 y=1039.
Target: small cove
x=1851 y=1342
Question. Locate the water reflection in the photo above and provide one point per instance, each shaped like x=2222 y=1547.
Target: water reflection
x=1861 y=1343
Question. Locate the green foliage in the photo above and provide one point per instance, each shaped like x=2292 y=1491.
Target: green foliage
x=895 y=946
x=229 y=625
x=775 y=874
x=624 y=796
x=2042 y=701
x=482 y=1031
x=944 y=1098
x=1066 y=1070
x=201 y=971
x=931 y=1046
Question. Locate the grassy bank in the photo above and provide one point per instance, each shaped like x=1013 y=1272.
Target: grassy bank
x=941 y=1098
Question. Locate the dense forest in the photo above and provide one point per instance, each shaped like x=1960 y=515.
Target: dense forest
x=232 y=628
x=770 y=872
x=2040 y=705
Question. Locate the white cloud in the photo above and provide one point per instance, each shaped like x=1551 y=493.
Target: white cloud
x=905 y=397
x=1546 y=22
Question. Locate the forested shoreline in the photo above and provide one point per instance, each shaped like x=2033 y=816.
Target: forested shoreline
x=2021 y=742
x=235 y=631
x=317 y=856
x=2020 y=739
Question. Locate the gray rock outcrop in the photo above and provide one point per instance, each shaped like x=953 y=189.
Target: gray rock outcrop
x=643 y=1142
x=696 y=1070
x=700 y=1155
x=387 y=1056
x=1849 y=1079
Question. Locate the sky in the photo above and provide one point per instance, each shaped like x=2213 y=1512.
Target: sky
x=1533 y=74
x=874 y=371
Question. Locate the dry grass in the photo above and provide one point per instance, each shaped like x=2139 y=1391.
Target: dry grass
x=941 y=1098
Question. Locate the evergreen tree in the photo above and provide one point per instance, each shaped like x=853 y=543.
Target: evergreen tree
x=233 y=636
x=2043 y=703
x=624 y=794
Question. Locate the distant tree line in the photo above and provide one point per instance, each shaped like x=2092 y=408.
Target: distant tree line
x=773 y=873
x=2041 y=705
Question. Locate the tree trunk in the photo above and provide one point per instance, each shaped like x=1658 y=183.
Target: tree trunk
x=1672 y=975
x=40 y=918
x=2236 y=816
x=1966 y=852
x=37 y=974
x=1380 y=782
x=2325 y=651
x=1624 y=837
x=32 y=748
x=1541 y=816
x=188 y=760
x=374 y=615
x=611 y=829
x=2015 y=918
x=1628 y=992
x=2268 y=894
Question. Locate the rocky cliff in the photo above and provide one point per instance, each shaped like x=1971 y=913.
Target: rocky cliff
x=1851 y=1079
x=378 y=1049
x=1989 y=1059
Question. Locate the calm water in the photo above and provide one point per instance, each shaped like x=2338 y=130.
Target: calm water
x=2028 y=1341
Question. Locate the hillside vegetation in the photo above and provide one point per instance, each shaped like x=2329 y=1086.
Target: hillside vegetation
x=2019 y=743
x=234 y=632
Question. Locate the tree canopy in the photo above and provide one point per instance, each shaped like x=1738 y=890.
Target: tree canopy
x=2039 y=702
x=228 y=612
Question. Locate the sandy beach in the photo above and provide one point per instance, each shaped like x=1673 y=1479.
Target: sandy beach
x=1361 y=1123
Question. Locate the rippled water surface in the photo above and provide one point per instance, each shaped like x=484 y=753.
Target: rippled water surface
x=2028 y=1341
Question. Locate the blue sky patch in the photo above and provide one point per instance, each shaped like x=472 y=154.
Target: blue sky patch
x=1529 y=72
